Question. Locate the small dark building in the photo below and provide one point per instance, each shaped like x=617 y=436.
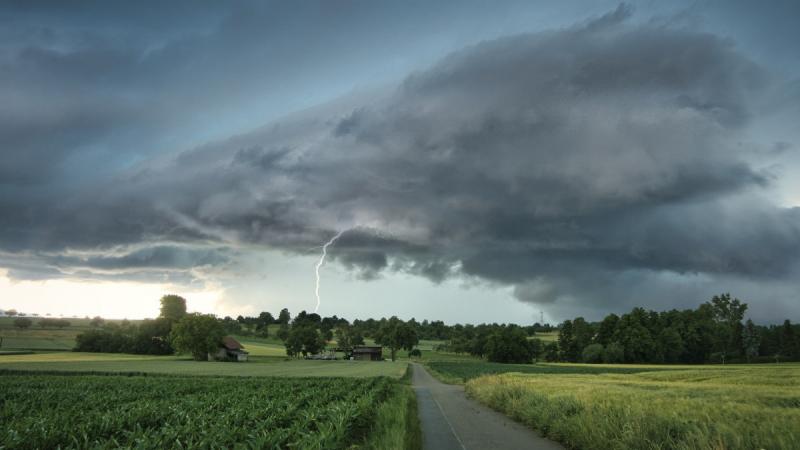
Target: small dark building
x=368 y=353
x=230 y=350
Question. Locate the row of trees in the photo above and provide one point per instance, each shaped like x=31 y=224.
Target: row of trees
x=309 y=333
x=148 y=337
x=712 y=333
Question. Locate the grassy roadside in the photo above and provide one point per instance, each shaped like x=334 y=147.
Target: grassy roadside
x=397 y=422
x=708 y=408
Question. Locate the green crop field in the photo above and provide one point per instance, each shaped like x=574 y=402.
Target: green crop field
x=48 y=411
x=708 y=407
x=102 y=362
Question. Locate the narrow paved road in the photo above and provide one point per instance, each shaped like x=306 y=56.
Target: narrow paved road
x=451 y=421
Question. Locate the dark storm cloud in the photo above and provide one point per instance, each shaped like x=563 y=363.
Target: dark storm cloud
x=565 y=163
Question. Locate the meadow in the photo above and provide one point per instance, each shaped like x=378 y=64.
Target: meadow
x=706 y=407
x=461 y=371
x=74 y=411
x=143 y=364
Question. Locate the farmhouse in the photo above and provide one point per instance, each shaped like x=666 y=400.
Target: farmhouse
x=229 y=350
x=367 y=353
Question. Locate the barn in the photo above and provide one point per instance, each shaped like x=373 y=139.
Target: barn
x=230 y=350
x=367 y=353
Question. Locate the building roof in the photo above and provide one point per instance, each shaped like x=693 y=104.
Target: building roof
x=367 y=349
x=231 y=343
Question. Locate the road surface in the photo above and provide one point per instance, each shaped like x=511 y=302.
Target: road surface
x=451 y=421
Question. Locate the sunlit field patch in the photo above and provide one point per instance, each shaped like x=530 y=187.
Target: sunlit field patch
x=737 y=407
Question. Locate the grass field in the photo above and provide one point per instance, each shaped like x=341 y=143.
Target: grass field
x=46 y=411
x=547 y=337
x=461 y=371
x=272 y=367
x=707 y=407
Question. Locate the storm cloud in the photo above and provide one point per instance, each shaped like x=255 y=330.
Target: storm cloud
x=565 y=164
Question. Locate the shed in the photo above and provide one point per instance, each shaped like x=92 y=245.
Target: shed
x=230 y=350
x=368 y=353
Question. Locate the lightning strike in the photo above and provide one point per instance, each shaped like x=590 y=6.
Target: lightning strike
x=321 y=262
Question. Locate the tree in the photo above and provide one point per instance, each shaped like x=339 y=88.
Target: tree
x=593 y=353
x=605 y=333
x=305 y=339
x=284 y=317
x=197 y=334
x=396 y=335
x=347 y=337
x=22 y=323
x=173 y=307
x=97 y=322
x=283 y=332
x=551 y=353
x=508 y=345
x=567 y=345
x=789 y=346
x=614 y=353
x=728 y=314
x=671 y=345
x=11 y=312
x=751 y=340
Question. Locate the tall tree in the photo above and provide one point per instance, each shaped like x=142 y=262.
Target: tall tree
x=728 y=314
x=567 y=342
x=396 y=335
x=198 y=335
x=284 y=317
x=173 y=307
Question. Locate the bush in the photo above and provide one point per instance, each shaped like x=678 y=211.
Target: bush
x=415 y=353
x=593 y=353
x=614 y=354
x=509 y=345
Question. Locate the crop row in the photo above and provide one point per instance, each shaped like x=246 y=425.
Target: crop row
x=50 y=411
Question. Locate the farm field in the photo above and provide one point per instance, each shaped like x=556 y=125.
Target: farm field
x=708 y=407
x=272 y=367
x=461 y=371
x=74 y=411
x=37 y=338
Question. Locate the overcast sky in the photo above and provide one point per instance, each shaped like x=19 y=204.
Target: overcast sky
x=485 y=161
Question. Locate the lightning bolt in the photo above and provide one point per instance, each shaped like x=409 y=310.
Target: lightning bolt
x=322 y=261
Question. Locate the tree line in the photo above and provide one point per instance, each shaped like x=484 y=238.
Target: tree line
x=714 y=332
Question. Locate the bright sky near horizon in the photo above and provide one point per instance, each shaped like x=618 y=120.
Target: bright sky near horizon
x=485 y=161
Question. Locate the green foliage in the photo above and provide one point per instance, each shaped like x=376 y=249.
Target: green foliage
x=23 y=323
x=593 y=353
x=170 y=412
x=97 y=321
x=304 y=339
x=284 y=317
x=347 y=337
x=509 y=345
x=197 y=335
x=149 y=337
x=396 y=335
x=283 y=332
x=614 y=353
x=173 y=307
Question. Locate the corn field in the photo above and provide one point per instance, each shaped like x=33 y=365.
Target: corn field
x=51 y=411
